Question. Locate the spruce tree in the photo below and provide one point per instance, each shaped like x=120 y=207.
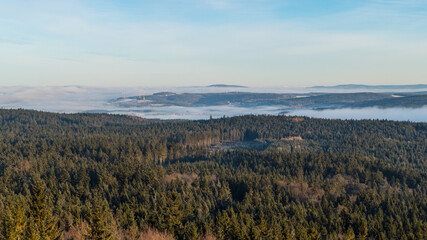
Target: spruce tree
x=363 y=229
x=14 y=221
x=253 y=232
x=42 y=225
x=350 y=234
x=173 y=214
x=98 y=229
x=222 y=225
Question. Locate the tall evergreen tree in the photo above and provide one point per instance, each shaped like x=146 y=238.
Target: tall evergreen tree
x=98 y=229
x=363 y=229
x=14 y=220
x=42 y=225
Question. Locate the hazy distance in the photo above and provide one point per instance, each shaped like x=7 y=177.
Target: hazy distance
x=387 y=102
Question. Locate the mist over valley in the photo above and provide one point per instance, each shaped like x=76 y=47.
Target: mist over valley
x=404 y=103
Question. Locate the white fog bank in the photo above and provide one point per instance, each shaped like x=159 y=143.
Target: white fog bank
x=75 y=99
x=396 y=114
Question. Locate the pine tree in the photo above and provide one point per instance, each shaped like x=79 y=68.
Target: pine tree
x=253 y=232
x=264 y=228
x=235 y=231
x=31 y=232
x=190 y=231
x=173 y=214
x=42 y=225
x=15 y=221
x=222 y=225
x=98 y=229
x=301 y=233
x=313 y=234
x=350 y=234
x=287 y=231
x=363 y=230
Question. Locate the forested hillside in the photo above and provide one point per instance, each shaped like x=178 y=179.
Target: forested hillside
x=97 y=176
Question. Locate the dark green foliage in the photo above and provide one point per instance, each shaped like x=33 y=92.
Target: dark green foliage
x=250 y=135
x=14 y=221
x=42 y=224
x=104 y=175
x=98 y=223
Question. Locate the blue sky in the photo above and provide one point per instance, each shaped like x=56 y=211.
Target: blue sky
x=188 y=42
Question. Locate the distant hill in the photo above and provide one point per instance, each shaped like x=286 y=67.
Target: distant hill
x=379 y=87
x=247 y=99
x=226 y=85
x=415 y=101
x=287 y=101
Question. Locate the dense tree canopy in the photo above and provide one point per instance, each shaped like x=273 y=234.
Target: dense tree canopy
x=97 y=176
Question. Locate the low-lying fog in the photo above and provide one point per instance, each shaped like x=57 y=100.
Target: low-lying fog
x=195 y=113
x=73 y=99
x=397 y=114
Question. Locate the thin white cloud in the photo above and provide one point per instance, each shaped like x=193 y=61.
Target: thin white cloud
x=106 y=47
x=389 y=13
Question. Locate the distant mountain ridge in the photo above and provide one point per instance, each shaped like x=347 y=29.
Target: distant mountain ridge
x=288 y=101
x=226 y=85
x=382 y=87
x=415 y=101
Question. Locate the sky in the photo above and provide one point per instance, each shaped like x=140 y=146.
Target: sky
x=202 y=42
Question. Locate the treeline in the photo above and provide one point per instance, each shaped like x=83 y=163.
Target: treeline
x=96 y=176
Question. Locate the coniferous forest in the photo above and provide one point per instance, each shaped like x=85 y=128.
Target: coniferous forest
x=99 y=176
